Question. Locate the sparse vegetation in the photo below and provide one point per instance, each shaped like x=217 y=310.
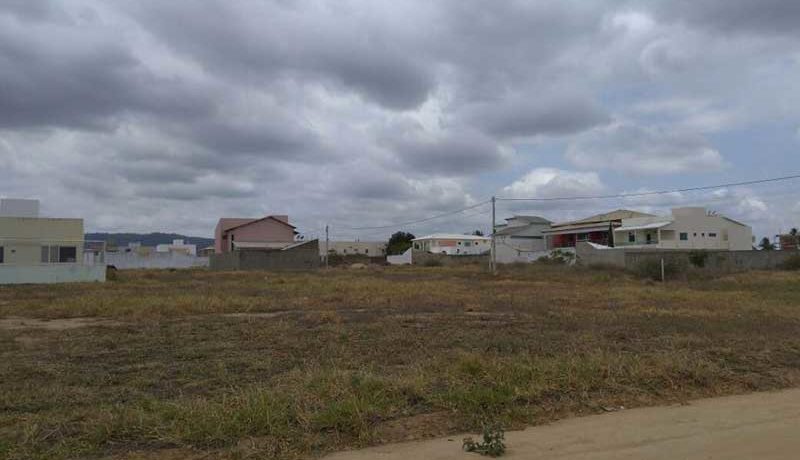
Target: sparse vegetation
x=651 y=269
x=793 y=263
x=493 y=444
x=194 y=364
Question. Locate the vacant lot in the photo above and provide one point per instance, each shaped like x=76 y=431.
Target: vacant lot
x=192 y=364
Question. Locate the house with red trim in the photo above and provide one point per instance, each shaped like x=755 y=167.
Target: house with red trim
x=270 y=232
x=597 y=229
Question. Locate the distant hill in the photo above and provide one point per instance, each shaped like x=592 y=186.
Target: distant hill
x=147 y=239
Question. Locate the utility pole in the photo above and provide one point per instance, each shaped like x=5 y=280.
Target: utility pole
x=327 y=246
x=493 y=263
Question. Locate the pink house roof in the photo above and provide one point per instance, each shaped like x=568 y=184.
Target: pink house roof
x=229 y=224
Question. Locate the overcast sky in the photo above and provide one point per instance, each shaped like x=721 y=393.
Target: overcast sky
x=162 y=115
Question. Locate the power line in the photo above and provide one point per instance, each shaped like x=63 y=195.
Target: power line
x=419 y=221
x=659 y=192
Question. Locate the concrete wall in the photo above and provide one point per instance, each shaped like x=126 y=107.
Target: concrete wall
x=715 y=261
x=301 y=257
x=133 y=260
x=588 y=255
x=49 y=274
x=511 y=250
x=401 y=259
x=423 y=258
x=346 y=248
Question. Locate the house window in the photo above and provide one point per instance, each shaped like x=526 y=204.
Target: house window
x=67 y=254
x=55 y=254
x=631 y=237
x=583 y=236
x=703 y=234
x=1 y=255
x=712 y=235
x=684 y=236
x=416 y=245
x=366 y=251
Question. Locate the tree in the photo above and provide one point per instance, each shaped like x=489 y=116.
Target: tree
x=793 y=232
x=399 y=243
x=766 y=244
x=477 y=233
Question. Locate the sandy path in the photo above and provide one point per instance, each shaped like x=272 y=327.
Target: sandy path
x=764 y=426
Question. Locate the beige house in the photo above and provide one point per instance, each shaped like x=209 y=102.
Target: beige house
x=686 y=228
x=33 y=241
x=44 y=250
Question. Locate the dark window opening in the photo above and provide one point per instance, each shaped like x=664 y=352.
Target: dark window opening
x=631 y=237
x=67 y=254
x=684 y=236
x=2 y=255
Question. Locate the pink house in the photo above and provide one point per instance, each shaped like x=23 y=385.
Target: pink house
x=271 y=232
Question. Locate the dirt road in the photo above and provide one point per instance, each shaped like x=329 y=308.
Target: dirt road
x=764 y=426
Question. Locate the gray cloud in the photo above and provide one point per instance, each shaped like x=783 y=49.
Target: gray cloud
x=280 y=40
x=638 y=150
x=128 y=112
x=750 y=16
x=60 y=75
x=449 y=152
x=534 y=114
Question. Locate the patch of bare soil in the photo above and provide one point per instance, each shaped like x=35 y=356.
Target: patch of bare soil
x=14 y=323
x=756 y=426
x=416 y=427
x=271 y=314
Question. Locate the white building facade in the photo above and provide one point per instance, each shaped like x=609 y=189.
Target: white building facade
x=686 y=228
x=453 y=244
x=521 y=239
x=178 y=246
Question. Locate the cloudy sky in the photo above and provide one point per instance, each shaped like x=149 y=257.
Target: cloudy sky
x=166 y=115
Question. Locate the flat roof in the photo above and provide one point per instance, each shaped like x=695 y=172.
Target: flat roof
x=451 y=236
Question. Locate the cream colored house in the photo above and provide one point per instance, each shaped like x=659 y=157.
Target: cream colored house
x=29 y=241
x=45 y=250
x=686 y=228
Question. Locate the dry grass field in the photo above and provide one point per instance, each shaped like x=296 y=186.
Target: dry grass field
x=193 y=364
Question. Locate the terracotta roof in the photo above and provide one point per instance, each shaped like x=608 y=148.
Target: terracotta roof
x=606 y=217
x=531 y=219
x=245 y=222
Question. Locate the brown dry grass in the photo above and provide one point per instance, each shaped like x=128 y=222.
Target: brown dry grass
x=193 y=364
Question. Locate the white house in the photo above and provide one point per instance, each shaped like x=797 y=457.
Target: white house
x=686 y=228
x=453 y=244
x=178 y=246
x=521 y=239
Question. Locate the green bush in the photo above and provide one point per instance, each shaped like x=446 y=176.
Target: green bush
x=492 y=444
x=792 y=263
